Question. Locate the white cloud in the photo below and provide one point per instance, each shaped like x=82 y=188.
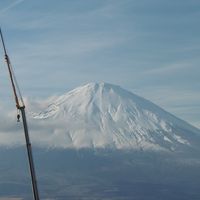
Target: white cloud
x=10 y=130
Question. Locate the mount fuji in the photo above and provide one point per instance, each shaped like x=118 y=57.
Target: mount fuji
x=102 y=115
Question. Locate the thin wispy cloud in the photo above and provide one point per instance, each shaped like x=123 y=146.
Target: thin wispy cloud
x=11 y=6
x=169 y=69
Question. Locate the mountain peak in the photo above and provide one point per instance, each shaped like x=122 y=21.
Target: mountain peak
x=95 y=87
x=104 y=115
x=99 y=85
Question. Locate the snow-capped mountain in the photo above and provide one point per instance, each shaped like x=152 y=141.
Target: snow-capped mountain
x=100 y=115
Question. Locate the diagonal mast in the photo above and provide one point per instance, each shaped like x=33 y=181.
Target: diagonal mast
x=21 y=107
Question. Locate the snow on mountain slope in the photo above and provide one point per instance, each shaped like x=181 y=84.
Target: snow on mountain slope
x=100 y=115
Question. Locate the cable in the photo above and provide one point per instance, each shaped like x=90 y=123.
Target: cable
x=17 y=86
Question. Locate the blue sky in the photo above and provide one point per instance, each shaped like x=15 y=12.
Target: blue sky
x=149 y=47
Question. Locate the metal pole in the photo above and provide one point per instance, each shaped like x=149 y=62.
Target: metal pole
x=21 y=107
x=30 y=156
